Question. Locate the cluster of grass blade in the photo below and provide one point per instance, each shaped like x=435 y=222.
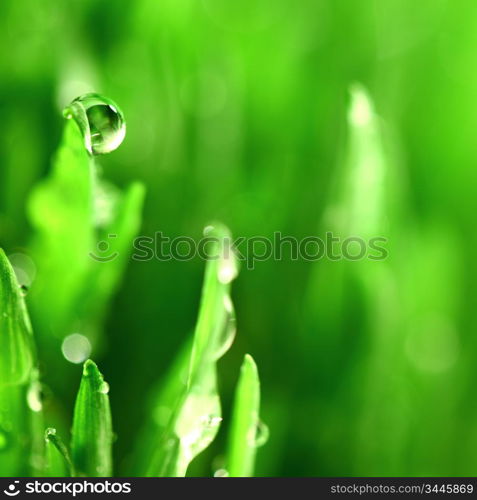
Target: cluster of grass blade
x=185 y=414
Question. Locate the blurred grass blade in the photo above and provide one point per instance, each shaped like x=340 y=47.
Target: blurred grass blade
x=74 y=212
x=58 y=460
x=245 y=424
x=16 y=341
x=34 y=400
x=92 y=438
x=367 y=169
x=61 y=210
x=14 y=432
x=105 y=270
x=196 y=418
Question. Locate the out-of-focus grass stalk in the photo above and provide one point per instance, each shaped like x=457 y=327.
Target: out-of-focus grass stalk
x=71 y=211
x=363 y=203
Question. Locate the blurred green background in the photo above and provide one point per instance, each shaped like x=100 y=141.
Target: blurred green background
x=239 y=111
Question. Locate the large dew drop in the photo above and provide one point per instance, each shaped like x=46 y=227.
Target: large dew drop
x=100 y=120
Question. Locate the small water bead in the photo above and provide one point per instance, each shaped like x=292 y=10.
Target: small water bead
x=227 y=270
x=34 y=396
x=104 y=388
x=100 y=121
x=50 y=432
x=23 y=290
x=262 y=434
x=198 y=423
x=228 y=328
x=221 y=473
x=24 y=268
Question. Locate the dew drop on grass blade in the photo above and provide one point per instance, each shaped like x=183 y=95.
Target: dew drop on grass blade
x=73 y=212
x=91 y=445
x=21 y=450
x=100 y=121
x=57 y=457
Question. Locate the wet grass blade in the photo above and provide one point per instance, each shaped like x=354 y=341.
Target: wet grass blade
x=58 y=460
x=16 y=341
x=195 y=420
x=245 y=422
x=92 y=438
x=20 y=451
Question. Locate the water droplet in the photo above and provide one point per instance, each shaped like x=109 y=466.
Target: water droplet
x=208 y=230
x=198 y=423
x=76 y=348
x=262 y=434
x=23 y=290
x=50 y=432
x=34 y=396
x=104 y=388
x=228 y=328
x=221 y=473
x=24 y=268
x=100 y=120
x=227 y=270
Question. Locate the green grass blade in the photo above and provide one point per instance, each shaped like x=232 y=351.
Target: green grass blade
x=72 y=211
x=245 y=422
x=196 y=418
x=104 y=276
x=61 y=210
x=215 y=329
x=14 y=431
x=58 y=460
x=16 y=340
x=20 y=411
x=34 y=400
x=92 y=438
